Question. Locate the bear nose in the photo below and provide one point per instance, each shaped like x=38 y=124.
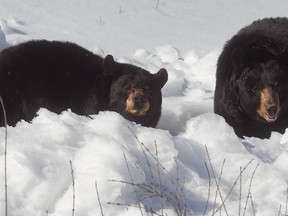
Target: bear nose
x=272 y=109
x=139 y=100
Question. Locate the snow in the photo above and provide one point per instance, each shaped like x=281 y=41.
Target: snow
x=190 y=150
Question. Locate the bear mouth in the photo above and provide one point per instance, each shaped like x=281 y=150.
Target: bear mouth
x=270 y=119
x=269 y=107
x=137 y=103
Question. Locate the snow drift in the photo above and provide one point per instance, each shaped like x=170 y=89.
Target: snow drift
x=178 y=166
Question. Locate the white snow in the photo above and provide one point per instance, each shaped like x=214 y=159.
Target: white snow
x=185 y=37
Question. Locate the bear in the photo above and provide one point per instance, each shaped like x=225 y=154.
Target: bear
x=251 y=90
x=59 y=75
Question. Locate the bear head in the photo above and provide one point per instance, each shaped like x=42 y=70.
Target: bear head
x=261 y=83
x=134 y=92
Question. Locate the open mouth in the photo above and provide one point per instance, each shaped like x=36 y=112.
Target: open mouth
x=269 y=106
x=138 y=110
x=270 y=118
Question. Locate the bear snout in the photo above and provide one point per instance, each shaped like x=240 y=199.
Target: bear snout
x=272 y=109
x=269 y=106
x=137 y=103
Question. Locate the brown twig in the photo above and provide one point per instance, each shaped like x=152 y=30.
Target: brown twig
x=249 y=188
x=134 y=188
x=209 y=189
x=235 y=182
x=179 y=186
x=98 y=197
x=219 y=182
x=134 y=206
x=216 y=182
x=252 y=204
x=157 y=187
x=145 y=155
x=159 y=179
x=280 y=208
x=157 y=5
x=73 y=187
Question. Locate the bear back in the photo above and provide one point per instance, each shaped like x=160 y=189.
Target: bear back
x=62 y=75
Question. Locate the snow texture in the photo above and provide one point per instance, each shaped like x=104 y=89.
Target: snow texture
x=182 y=158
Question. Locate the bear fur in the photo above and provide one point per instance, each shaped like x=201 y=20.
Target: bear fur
x=61 y=75
x=252 y=79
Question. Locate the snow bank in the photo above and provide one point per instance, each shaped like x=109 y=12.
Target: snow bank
x=116 y=153
x=182 y=159
x=3 y=43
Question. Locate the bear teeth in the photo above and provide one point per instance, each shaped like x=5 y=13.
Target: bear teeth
x=270 y=118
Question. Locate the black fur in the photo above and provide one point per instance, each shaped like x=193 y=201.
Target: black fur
x=254 y=58
x=61 y=75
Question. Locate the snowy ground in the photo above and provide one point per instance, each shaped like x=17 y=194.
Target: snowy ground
x=185 y=37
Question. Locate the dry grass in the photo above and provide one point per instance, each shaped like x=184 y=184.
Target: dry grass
x=175 y=198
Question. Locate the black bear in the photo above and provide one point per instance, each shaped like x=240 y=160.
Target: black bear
x=61 y=75
x=252 y=79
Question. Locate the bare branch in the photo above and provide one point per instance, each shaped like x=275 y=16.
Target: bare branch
x=157 y=5
x=235 y=182
x=73 y=187
x=159 y=178
x=216 y=182
x=134 y=188
x=98 y=196
x=219 y=182
x=249 y=189
x=209 y=189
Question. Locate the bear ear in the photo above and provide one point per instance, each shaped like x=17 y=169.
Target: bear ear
x=162 y=77
x=108 y=64
x=237 y=57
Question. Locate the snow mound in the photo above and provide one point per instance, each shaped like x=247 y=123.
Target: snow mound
x=3 y=43
x=193 y=159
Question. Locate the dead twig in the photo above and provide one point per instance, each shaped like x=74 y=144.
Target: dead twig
x=73 y=188
x=216 y=182
x=219 y=182
x=209 y=189
x=157 y=4
x=235 y=182
x=134 y=188
x=249 y=188
x=159 y=178
x=98 y=197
